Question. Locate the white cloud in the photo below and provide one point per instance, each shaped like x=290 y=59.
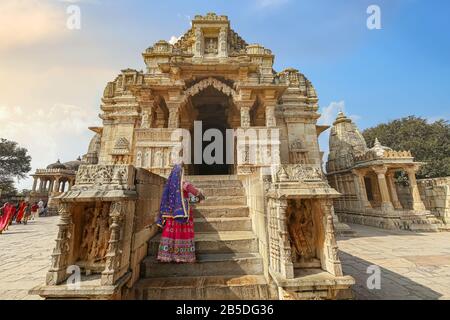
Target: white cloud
x=27 y=22
x=59 y=131
x=174 y=39
x=329 y=113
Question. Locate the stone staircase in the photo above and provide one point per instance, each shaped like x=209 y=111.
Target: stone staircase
x=427 y=223
x=228 y=265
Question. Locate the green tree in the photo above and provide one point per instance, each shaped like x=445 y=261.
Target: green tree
x=428 y=142
x=14 y=163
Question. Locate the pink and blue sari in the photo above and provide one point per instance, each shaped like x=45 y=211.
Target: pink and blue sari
x=175 y=217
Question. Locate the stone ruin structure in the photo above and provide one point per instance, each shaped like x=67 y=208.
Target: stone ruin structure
x=366 y=179
x=266 y=228
x=435 y=194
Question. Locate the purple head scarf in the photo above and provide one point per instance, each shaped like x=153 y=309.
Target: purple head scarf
x=173 y=204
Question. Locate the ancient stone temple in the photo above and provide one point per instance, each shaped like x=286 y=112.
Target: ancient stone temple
x=366 y=179
x=265 y=230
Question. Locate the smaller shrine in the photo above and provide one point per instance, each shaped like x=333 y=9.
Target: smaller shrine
x=366 y=178
x=55 y=179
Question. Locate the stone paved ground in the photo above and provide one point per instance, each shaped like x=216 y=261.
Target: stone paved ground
x=25 y=257
x=413 y=265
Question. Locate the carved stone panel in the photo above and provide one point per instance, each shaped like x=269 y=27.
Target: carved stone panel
x=301 y=230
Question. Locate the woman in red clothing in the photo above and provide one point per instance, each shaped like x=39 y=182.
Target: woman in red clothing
x=21 y=212
x=176 y=218
x=7 y=211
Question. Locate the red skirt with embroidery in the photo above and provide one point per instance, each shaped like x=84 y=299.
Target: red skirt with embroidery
x=177 y=241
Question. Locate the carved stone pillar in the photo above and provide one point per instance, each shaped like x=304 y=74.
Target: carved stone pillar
x=332 y=263
x=286 y=265
x=417 y=201
x=174 y=115
x=61 y=253
x=198 y=44
x=245 y=117
x=386 y=203
x=34 y=184
x=111 y=273
x=391 y=183
x=270 y=116
x=50 y=186
x=56 y=185
x=361 y=184
x=223 y=42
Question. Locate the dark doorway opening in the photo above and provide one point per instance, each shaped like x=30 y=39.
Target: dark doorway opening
x=213 y=117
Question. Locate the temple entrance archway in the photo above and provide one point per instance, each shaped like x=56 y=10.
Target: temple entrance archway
x=215 y=110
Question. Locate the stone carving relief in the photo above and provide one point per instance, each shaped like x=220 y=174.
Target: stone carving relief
x=298 y=173
x=301 y=230
x=211 y=46
x=102 y=175
x=145 y=122
x=95 y=235
x=202 y=85
x=122 y=146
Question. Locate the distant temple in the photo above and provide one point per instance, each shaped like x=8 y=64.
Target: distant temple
x=366 y=179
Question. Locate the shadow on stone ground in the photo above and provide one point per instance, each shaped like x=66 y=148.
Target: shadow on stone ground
x=393 y=285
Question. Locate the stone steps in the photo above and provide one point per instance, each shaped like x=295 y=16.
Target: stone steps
x=211 y=211
x=222 y=224
x=213 y=182
x=224 y=201
x=228 y=265
x=222 y=191
x=206 y=265
x=424 y=227
x=232 y=287
x=217 y=242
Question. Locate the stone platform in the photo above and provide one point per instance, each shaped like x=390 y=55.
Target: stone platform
x=413 y=265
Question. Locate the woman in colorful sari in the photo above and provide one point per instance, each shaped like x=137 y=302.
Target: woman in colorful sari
x=176 y=219
x=21 y=212
x=7 y=212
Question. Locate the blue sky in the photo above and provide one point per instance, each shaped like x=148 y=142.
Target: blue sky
x=52 y=79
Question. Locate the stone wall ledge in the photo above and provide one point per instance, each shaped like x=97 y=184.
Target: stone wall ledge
x=90 y=289
x=94 y=194
x=314 y=280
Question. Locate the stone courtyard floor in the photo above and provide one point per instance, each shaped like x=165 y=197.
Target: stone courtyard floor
x=413 y=265
x=25 y=257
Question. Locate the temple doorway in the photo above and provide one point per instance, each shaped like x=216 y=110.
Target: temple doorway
x=213 y=110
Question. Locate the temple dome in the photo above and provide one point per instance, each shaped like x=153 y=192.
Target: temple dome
x=73 y=165
x=378 y=149
x=57 y=165
x=346 y=142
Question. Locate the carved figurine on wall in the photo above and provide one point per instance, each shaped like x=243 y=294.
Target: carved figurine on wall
x=301 y=230
x=96 y=232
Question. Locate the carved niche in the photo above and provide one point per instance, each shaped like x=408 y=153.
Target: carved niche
x=95 y=237
x=300 y=222
x=211 y=46
x=298 y=153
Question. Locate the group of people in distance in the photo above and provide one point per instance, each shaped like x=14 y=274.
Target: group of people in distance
x=20 y=213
